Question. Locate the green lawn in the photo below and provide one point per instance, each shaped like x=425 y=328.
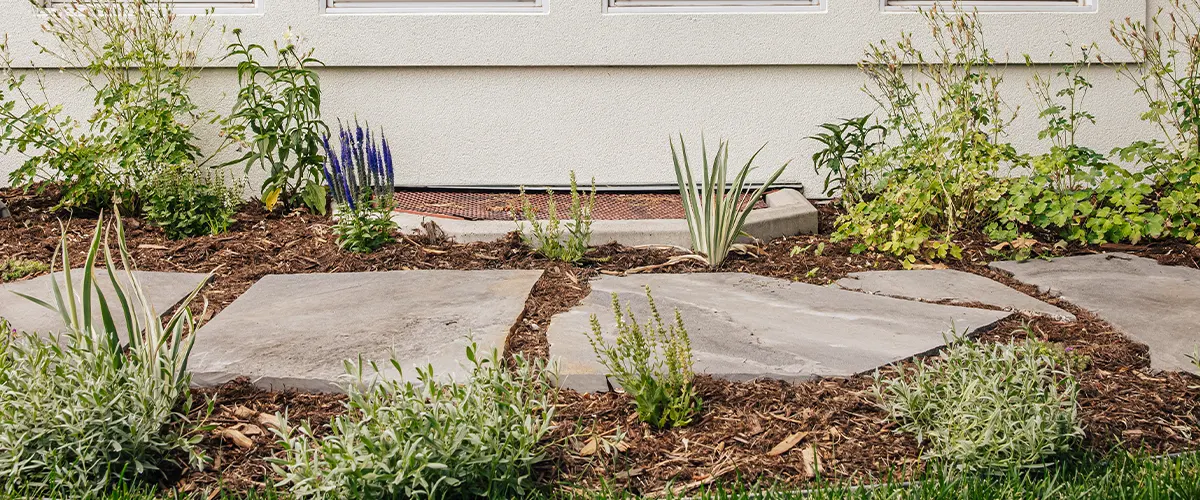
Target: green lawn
x=1122 y=478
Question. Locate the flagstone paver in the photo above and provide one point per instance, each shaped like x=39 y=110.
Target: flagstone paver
x=294 y=331
x=1153 y=304
x=165 y=290
x=949 y=285
x=745 y=326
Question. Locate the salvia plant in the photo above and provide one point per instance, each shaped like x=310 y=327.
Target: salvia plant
x=651 y=362
x=988 y=406
x=101 y=404
x=428 y=438
x=555 y=238
x=715 y=215
x=361 y=172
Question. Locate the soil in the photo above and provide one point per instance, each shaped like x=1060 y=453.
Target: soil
x=1123 y=404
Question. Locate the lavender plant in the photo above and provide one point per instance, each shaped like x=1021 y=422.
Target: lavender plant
x=361 y=172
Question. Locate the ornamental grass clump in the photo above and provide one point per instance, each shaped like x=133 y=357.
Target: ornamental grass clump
x=988 y=406
x=555 y=239
x=651 y=362
x=715 y=215
x=83 y=412
x=428 y=439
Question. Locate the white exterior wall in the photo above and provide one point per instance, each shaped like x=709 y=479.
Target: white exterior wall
x=521 y=98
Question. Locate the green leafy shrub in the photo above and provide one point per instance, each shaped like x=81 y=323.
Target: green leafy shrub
x=1073 y=193
x=715 y=215
x=429 y=439
x=15 y=269
x=82 y=412
x=844 y=146
x=941 y=175
x=653 y=363
x=185 y=202
x=364 y=229
x=143 y=116
x=555 y=239
x=988 y=407
x=280 y=106
x=1168 y=55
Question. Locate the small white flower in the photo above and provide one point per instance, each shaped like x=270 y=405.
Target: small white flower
x=287 y=35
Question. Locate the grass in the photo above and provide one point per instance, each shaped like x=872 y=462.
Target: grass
x=1124 y=478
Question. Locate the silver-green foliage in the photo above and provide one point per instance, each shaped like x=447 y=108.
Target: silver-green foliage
x=82 y=413
x=988 y=406
x=653 y=363
x=429 y=439
x=555 y=239
x=715 y=215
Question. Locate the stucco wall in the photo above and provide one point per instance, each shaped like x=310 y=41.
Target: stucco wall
x=478 y=103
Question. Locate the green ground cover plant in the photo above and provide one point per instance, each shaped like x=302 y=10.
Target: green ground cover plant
x=651 y=362
x=428 y=438
x=186 y=201
x=714 y=208
x=279 y=104
x=15 y=269
x=557 y=239
x=988 y=406
x=143 y=118
x=86 y=411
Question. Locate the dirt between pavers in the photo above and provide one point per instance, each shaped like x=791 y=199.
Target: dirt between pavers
x=1122 y=403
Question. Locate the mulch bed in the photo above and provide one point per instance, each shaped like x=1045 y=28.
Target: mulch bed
x=1123 y=403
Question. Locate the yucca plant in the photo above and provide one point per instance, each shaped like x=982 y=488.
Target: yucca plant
x=715 y=215
x=81 y=412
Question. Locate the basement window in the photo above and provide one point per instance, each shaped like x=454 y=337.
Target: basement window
x=686 y=6
x=995 y=5
x=420 y=6
x=181 y=6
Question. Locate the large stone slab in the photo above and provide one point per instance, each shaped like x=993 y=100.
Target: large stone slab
x=295 y=331
x=948 y=285
x=1153 y=304
x=165 y=290
x=744 y=326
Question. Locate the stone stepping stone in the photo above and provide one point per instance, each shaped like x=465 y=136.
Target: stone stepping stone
x=165 y=291
x=957 y=287
x=744 y=326
x=295 y=331
x=1153 y=304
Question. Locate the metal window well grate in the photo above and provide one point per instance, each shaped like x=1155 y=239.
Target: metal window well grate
x=498 y=205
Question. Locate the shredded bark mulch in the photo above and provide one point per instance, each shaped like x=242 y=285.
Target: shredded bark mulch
x=831 y=422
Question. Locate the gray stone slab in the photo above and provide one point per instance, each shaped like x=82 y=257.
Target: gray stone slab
x=1153 y=304
x=165 y=290
x=948 y=285
x=295 y=331
x=744 y=326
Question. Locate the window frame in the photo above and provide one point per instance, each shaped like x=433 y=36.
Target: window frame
x=343 y=7
x=217 y=7
x=713 y=6
x=1002 y=6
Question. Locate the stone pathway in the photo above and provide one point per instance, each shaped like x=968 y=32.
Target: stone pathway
x=744 y=326
x=1153 y=304
x=165 y=290
x=294 y=331
x=958 y=287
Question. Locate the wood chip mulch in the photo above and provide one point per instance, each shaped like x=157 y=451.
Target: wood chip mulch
x=829 y=424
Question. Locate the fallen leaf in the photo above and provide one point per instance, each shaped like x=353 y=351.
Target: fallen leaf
x=248 y=429
x=589 y=448
x=243 y=413
x=269 y=421
x=812 y=463
x=234 y=436
x=787 y=444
